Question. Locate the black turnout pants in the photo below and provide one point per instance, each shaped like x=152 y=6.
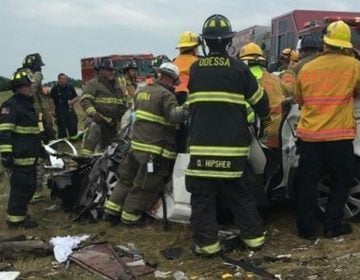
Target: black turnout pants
x=22 y=188
x=318 y=159
x=239 y=197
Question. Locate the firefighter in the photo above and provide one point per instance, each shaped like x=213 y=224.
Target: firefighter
x=104 y=104
x=188 y=48
x=20 y=147
x=146 y=167
x=325 y=131
x=33 y=64
x=64 y=97
x=188 y=45
x=275 y=88
x=220 y=87
x=129 y=80
x=309 y=49
x=155 y=63
x=288 y=58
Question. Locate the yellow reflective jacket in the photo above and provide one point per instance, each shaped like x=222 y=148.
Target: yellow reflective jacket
x=325 y=90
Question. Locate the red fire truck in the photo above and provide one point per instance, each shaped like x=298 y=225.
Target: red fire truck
x=143 y=62
x=316 y=28
x=260 y=34
x=287 y=29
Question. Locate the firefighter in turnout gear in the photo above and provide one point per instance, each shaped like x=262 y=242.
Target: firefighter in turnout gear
x=309 y=49
x=146 y=167
x=32 y=64
x=20 y=147
x=188 y=45
x=220 y=87
x=326 y=87
x=104 y=104
x=275 y=88
x=128 y=81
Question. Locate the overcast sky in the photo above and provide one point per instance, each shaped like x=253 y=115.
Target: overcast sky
x=65 y=31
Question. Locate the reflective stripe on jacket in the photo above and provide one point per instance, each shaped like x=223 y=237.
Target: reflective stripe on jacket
x=220 y=91
x=325 y=89
x=19 y=131
x=152 y=131
x=102 y=97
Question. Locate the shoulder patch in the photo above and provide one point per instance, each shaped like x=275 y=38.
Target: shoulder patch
x=5 y=111
x=143 y=96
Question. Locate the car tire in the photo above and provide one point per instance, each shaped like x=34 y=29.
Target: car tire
x=352 y=206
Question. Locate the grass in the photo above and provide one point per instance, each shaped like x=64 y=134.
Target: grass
x=321 y=259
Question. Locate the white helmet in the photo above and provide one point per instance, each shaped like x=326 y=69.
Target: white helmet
x=169 y=69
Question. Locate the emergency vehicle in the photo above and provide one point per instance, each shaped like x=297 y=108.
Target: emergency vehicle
x=259 y=34
x=287 y=29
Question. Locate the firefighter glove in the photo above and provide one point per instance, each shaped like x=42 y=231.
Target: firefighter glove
x=178 y=114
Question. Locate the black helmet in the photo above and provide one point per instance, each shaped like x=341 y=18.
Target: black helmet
x=130 y=65
x=309 y=42
x=107 y=63
x=20 y=78
x=217 y=27
x=160 y=59
x=33 y=61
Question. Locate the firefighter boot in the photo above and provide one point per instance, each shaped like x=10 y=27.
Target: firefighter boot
x=112 y=219
x=26 y=224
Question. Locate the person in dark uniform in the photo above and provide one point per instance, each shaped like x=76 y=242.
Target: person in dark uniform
x=65 y=96
x=220 y=89
x=20 y=148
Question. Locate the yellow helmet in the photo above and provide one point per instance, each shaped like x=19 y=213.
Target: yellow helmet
x=289 y=54
x=188 y=39
x=251 y=52
x=338 y=34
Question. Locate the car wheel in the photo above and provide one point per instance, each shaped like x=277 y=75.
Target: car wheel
x=352 y=206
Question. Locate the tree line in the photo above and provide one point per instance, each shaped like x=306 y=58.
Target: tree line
x=5 y=83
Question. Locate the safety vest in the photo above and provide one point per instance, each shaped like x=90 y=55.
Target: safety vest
x=324 y=90
x=220 y=88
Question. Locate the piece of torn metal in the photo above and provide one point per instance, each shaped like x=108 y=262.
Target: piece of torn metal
x=249 y=266
x=103 y=260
